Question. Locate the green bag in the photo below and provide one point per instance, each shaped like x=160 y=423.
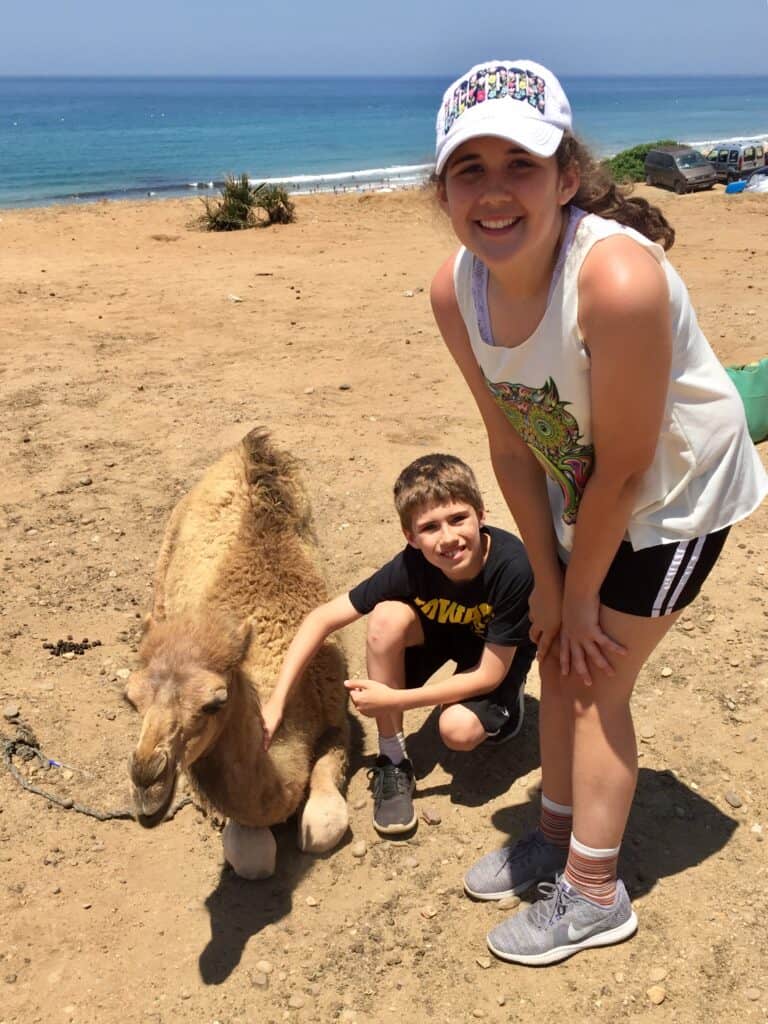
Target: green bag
x=752 y=384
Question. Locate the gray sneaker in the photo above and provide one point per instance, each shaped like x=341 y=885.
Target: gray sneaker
x=393 y=787
x=560 y=925
x=513 y=869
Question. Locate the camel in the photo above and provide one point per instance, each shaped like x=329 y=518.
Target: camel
x=236 y=573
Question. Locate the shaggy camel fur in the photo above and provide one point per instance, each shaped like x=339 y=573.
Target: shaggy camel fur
x=235 y=576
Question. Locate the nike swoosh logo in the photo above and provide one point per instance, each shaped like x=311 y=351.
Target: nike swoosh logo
x=576 y=934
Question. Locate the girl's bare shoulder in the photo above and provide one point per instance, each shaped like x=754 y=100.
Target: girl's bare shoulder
x=621 y=277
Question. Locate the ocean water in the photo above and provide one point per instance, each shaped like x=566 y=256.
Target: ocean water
x=80 y=139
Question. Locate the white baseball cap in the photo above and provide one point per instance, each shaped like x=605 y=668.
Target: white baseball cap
x=517 y=100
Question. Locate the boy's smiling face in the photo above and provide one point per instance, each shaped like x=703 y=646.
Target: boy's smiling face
x=449 y=537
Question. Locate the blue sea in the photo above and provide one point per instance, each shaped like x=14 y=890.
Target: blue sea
x=81 y=139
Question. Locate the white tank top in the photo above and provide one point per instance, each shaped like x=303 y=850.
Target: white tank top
x=706 y=473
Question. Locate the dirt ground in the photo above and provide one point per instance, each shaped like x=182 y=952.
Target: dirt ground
x=135 y=350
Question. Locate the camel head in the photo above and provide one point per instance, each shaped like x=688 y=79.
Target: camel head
x=185 y=692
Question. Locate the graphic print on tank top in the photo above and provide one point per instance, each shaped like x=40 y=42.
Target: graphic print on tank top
x=552 y=434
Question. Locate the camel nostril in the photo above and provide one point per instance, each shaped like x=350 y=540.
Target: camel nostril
x=146 y=771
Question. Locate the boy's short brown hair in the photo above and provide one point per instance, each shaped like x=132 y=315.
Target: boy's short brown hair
x=435 y=480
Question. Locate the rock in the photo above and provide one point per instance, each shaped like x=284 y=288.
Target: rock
x=234 y=298
x=483 y=961
x=478 y=1014
x=359 y=804
x=430 y=816
x=647 y=732
x=87 y=906
x=508 y=902
x=393 y=958
x=11 y=711
x=501 y=999
x=264 y=967
x=110 y=715
x=359 y=849
x=409 y=294
x=428 y=911
x=68 y=655
x=123 y=673
x=732 y=798
x=85 y=481
x=658 y=974
x=666 y=672
x=757 y=829
x=753 y=994
x=259 y=980
x=311 y=901
x=345 y=387
x=657 y=994
x=410 y=863
x=296 y=1001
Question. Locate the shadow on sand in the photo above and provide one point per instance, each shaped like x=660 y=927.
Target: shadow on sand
x=239 y=909
x=671 y=828
x=479 y=775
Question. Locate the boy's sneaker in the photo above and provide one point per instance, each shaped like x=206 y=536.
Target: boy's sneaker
x=514 y=722
x=514 y=869
x=560 y=925
x=393 y=786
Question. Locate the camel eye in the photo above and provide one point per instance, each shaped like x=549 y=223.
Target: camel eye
x=216 y=704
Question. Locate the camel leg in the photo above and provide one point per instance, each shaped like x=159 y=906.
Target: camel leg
x=325 y=818
x=250 y=851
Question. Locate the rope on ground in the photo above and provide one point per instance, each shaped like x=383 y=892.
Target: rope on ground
x=28 y=748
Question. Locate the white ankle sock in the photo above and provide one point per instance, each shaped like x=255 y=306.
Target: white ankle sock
x=393 y=747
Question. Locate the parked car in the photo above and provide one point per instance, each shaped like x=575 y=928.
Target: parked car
x=678 y=167
x=758 y=180
x=734 y=160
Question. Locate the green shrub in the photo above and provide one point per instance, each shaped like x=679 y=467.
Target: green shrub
x=629 y=165
x=240 y=202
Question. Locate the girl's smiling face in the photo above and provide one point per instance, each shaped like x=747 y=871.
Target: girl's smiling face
x=503 y=201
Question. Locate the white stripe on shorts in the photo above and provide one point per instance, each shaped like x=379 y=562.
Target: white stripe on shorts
x=686 y=575
x=674 y=565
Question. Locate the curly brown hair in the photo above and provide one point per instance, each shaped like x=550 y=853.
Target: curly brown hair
x=599 y=193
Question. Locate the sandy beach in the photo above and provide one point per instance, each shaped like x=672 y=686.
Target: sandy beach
x=135 y=349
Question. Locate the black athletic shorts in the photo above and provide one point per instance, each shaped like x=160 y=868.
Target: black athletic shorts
x=662 y=579
x=492 y=708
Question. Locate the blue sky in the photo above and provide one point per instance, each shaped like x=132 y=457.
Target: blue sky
x=390 y=37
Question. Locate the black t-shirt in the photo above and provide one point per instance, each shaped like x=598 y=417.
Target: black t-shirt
x=491 y=608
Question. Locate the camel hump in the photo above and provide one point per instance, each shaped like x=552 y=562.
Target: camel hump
x=274 y=483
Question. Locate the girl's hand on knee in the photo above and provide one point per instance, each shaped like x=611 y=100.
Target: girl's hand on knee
x=583 y=643
x=371 y=698
x=545 y=608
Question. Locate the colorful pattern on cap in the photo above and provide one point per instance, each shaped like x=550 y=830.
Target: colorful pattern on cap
x=496 y=81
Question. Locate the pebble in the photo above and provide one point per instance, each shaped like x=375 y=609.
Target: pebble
x=753 y=994
x=483 y=961
x=296 y=1001
x=428 y=911
x=408 y=294
x=11 y=711
x=123 y=673
x=259 y=980
x=309 y=391
x=311 y=901
x=508 y=902
x=666 y=672
x=68 y=655
x=360 y=848
x=647 y=732
x=394 y=958
x=657 y=994
x=234 y=298
x=110 y=715
x=733 y=798
x=85 y=481
x=501 y=999
x=87 y=906
x=410 y=863
x=658 y=974
x=757 y=829
x=264 y=967
x=345 y=387
x=359 y=804
x=430 y=816
x=478 y=1014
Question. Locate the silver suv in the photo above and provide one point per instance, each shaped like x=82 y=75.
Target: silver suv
x=734 y=160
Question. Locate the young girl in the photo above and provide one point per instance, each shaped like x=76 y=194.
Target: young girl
x=621 y=448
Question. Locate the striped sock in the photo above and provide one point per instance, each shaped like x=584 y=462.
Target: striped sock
x=555 y=822
x=592 y=872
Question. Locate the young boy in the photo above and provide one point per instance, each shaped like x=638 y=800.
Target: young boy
x=457 y=592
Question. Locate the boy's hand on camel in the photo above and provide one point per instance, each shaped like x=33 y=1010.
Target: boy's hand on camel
x=369 y=697
x=272 y=716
